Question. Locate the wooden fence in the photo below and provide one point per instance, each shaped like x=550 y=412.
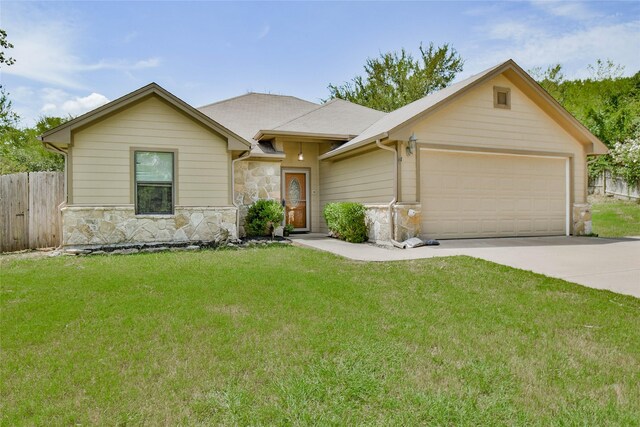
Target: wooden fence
x=607 y=184
x=29 y=210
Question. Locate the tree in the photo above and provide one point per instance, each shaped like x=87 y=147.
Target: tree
x=4 y=45
x=396 y=79
x=550 y=79
x=8 y=118
x=20 y=148
x=609 y=106
x=22 y=151
x=605 y=70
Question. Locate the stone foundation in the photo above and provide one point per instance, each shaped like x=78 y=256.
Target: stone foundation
x=255 y=180
x=406 y=221
x=582 y=219
x=119 y=224
x=377 y=220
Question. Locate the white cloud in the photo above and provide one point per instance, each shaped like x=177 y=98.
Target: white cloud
x=47 y=49
x=265 y=31
x=58 y=103
x=130 y=37
x=574 y=48
x=512 y=30
x=567 y=9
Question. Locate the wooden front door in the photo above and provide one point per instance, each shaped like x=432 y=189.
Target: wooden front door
x=295 y=200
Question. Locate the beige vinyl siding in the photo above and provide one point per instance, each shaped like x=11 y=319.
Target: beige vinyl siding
x=364 y=178
x=101 y=157
x=408 y=170
x=472 y=121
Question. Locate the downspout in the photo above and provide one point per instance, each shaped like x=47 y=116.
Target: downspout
x=395 y=188
x=233 y=187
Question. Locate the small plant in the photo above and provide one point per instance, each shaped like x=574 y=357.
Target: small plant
x=263 y=216
x=346 y=221
x=288 y=229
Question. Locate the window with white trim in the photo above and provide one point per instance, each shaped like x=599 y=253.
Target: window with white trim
x=154 y=182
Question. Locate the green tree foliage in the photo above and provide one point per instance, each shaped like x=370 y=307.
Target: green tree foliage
x=396 y=79
x=20 y=148
x=5 y=45
x=606 y=103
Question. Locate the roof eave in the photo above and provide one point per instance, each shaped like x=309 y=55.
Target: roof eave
x=362 y=143
x=267 y=133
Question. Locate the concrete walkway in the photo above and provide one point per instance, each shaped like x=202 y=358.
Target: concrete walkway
x=612 y=264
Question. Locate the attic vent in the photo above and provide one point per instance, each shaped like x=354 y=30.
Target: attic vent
x=501 y=97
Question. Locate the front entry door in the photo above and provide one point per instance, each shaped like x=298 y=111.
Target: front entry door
x=296 y=204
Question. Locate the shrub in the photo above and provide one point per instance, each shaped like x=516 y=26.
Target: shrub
x=626 y=157
x=263 y=215
x=346 y=221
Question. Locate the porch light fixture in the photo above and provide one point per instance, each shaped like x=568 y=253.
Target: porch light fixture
x=300 y=155
x=411 y=146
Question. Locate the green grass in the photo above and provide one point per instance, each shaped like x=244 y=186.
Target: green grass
x=295 y=336
x=616 y=218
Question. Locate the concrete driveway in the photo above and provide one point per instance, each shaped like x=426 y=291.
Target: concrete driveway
x=612 y=264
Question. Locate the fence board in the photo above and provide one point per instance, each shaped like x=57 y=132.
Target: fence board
x=14 y=197
x=46 y=192
x=29 y=210
x=607 y=184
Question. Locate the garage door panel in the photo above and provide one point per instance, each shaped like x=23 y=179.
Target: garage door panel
x=485 y=195
x=541 y=225
x=541 y=204
x=524 y=225
x=489 y=226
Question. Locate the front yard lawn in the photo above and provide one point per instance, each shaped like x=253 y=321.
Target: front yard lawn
x=616 y=218
x=295 y=336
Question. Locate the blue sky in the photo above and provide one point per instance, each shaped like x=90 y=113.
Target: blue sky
x=74 y=56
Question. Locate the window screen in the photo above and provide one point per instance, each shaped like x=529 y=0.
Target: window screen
x=154 y=182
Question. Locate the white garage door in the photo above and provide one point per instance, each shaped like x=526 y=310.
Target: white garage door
x=466 y=195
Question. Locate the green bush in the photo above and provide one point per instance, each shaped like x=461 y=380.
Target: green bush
x=263 y=215
x=346 y=221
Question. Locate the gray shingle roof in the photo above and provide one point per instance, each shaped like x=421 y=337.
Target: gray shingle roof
x=337 y=117
x=251 y=113
x=247 y=114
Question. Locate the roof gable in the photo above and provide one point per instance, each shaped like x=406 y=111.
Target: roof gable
x=423 y=107
x=61 y=135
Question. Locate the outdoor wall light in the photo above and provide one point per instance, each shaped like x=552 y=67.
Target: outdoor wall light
x=300 y=155
x=411 y=146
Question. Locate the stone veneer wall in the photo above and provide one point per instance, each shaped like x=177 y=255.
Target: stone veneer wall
x=255 y=180
x=406 y=222
x=377 y=219
x=119 y=224
x=582 y=219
